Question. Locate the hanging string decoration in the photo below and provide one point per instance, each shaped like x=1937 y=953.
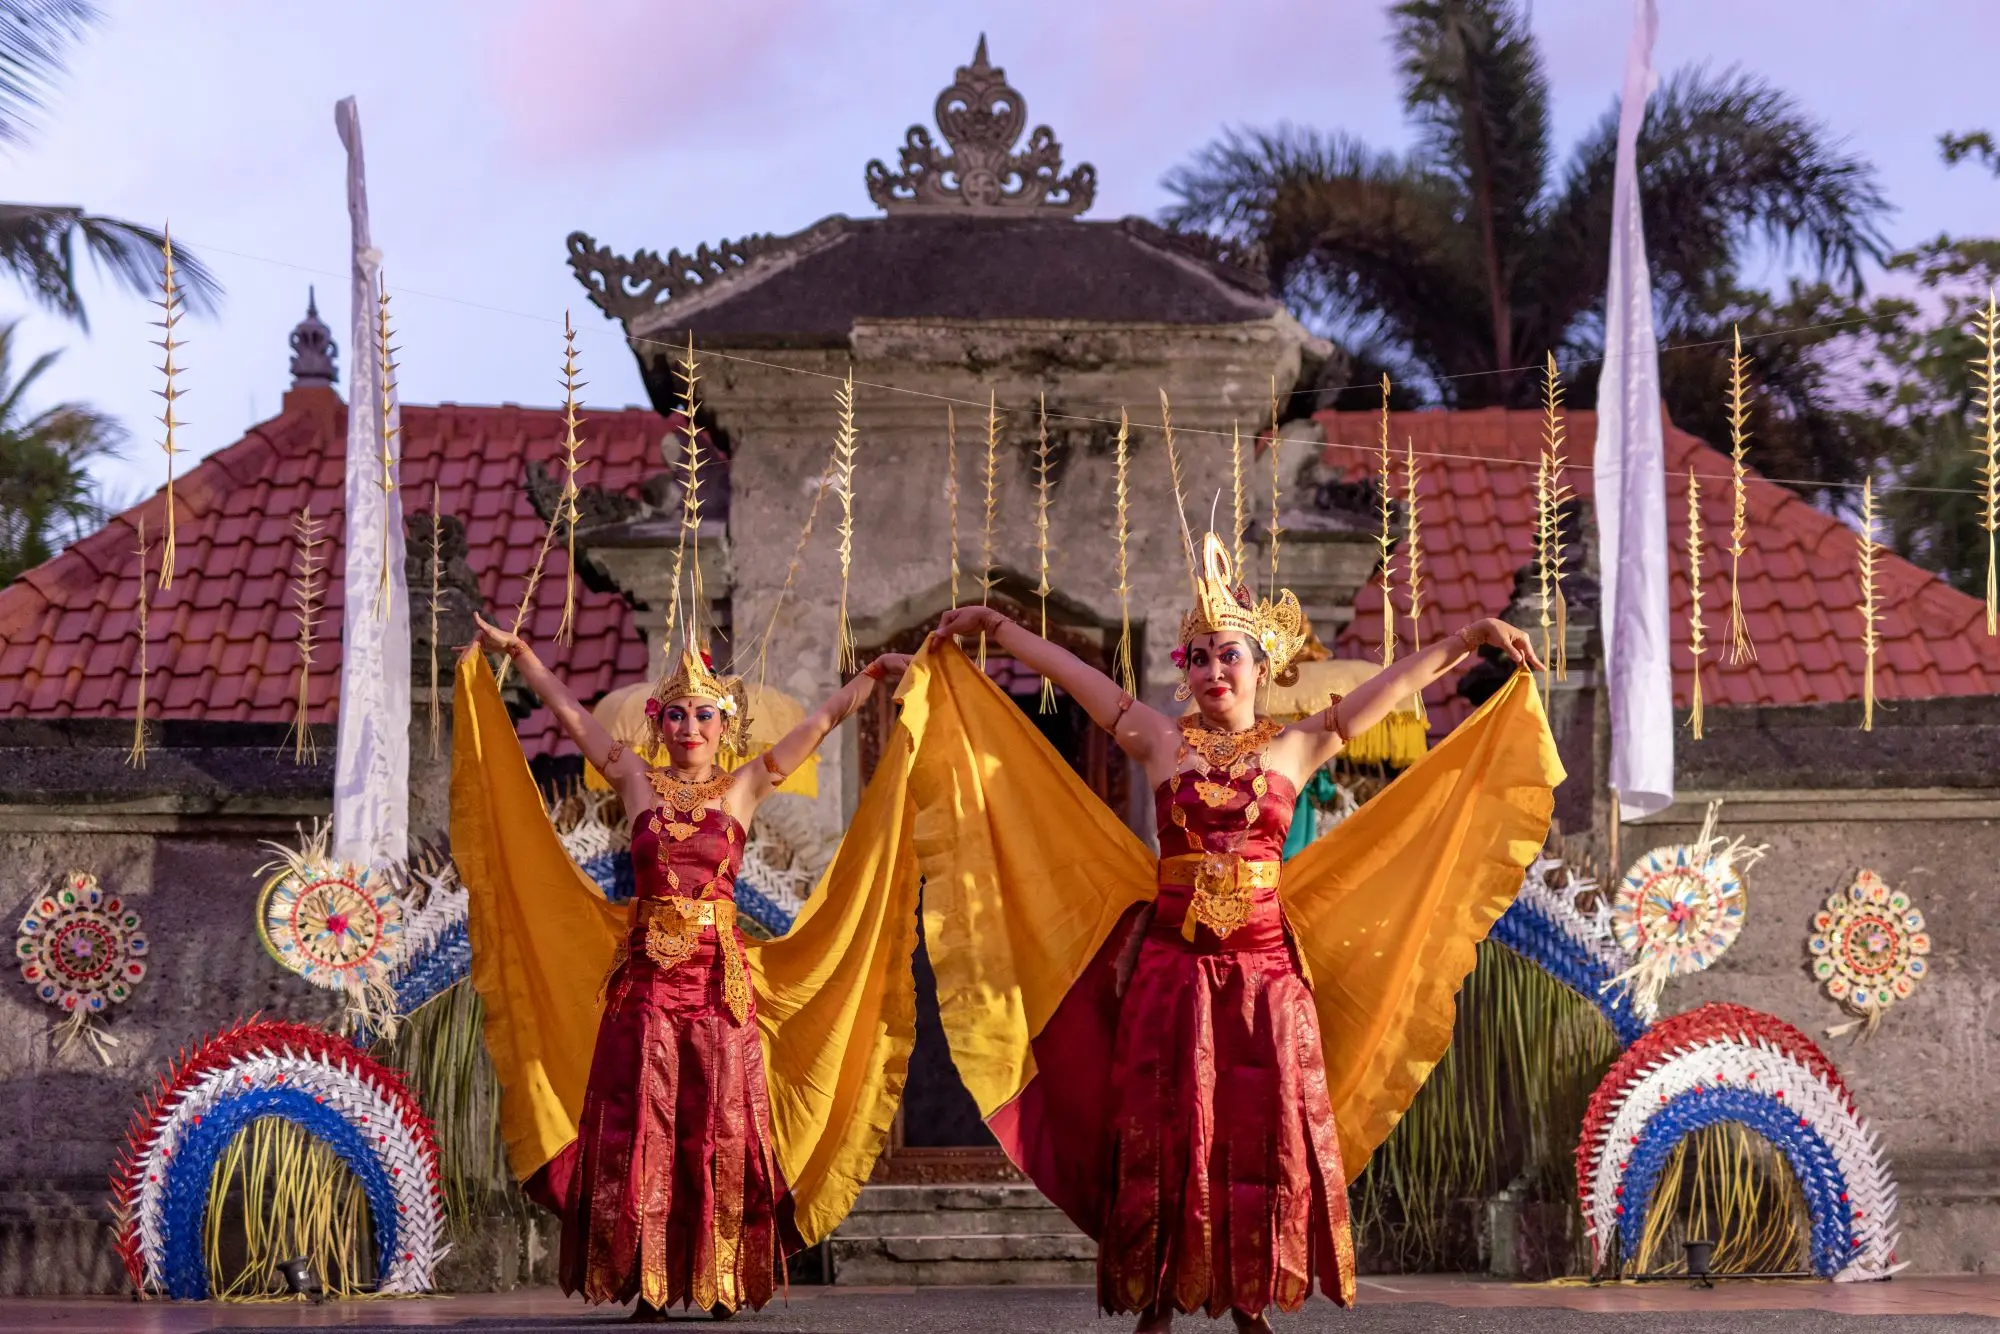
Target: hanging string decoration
x=1697 y=644
x=390 y=430
x=1386 y=539
x=136 y=756
x=1413 y=562
x=844 y=446
x=1869 y=948
x=172 y=309
x=1726 y=1063
x=1552 y=493
x=566 y=506
x=82 y=951
x=1871 y=616
x=690 y=539
x=1122 y=667
x=1238 y=512
x=1277 y=483
x=436 y=594
x=951 y=492
x=1048 y=698
x=357 y=1106
x=1575 y=945
x=1741 y=650
x=307 y=599
x=1986 y=388
x=337 y=925
x=1180 y=494
x=820 y=488
x=988 y=556
x=1679 y=909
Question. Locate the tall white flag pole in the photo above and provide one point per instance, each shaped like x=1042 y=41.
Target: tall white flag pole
x=371 y=787
x=1630 y=464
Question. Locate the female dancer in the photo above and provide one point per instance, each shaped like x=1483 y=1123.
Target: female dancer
x=1227 y=1190
x=671 y=1192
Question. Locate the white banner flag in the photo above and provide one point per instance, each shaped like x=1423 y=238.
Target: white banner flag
x=371 y=786
x=1631 y=477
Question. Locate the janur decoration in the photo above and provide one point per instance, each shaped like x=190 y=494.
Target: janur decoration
x=1679 y=908
x=336 y=924
x=1869 y=948
x=320 y=1082
x=1725 y=1063
x=83 y=951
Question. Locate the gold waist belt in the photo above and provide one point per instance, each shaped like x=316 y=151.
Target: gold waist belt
x=1224 y=886
x=673 y=929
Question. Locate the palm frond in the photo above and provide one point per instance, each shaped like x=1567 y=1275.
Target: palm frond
x=38 y=244
x=35 y=41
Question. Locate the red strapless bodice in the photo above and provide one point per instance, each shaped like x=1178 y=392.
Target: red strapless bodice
x=689 y=856
x=1246 y=816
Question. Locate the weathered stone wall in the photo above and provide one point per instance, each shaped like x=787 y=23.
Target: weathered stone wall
x=782 y=425
x=1918 y=801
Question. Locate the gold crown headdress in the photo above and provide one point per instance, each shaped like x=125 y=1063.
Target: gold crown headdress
x=694 y=677
x=1221 y=604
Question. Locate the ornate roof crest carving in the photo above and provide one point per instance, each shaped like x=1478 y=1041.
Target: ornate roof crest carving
x=981 y=118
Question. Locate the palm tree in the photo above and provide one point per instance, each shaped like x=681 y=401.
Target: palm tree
x=47 y=495
x=1464 y=260
x=38 y=242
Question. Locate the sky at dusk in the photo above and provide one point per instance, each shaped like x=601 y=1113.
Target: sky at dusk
x=493 y=128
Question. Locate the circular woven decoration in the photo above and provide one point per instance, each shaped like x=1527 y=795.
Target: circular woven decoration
x=1869 y=946
x=1680 y=908
x=82 y=950
x=333 y=923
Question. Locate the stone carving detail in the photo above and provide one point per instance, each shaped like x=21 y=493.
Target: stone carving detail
x=625 y=288
x=981 y=118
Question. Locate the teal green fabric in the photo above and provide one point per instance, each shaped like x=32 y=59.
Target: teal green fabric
x=1319 y=792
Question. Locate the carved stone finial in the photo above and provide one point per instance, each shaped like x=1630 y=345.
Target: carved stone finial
x=981 y=118
x=313 y=350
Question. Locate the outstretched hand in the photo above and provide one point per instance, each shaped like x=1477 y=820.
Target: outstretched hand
x=889 y=666
x=493 y=639
x=968 y=621
x=1510 y=640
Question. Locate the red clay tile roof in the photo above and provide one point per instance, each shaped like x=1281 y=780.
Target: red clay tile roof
x=222 y=639
x=1801 y=593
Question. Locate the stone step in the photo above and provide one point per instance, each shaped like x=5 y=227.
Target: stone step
x=912 y=1199
x=963 y=1222
x=877 y=1271
x=918 y=1236
x=984 y=1246
x=59 y=1257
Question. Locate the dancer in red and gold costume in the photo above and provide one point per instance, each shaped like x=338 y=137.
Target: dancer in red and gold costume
x=1183 y=1114
x=671 y=1192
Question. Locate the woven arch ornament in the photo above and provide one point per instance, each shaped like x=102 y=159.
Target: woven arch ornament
x=318 y=1081
x=1728 y=1063
x=1577 y=948
x=1870 y=948
x=82 y=951
x=1679 y=909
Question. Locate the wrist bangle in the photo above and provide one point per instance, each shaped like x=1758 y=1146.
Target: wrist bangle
x=874 y=671
x=517 y=648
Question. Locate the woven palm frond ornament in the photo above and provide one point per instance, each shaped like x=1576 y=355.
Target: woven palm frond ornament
x=1869 y=949
x=336 y=924
x=1679 y=908
x=83 y=951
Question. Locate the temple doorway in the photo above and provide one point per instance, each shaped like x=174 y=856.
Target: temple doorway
x=937 y=1135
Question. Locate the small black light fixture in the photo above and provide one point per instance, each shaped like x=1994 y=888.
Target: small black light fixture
x=299 y=1278
x=1699 y=1254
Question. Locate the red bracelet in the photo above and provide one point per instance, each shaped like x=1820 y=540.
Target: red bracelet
x=874 y=671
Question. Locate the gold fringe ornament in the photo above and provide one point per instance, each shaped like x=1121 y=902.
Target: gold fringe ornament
x=172 y=309
x=690 y=534
x=1553 y=494
x=1122 y=667
x=387 y=482
x=1277 y=482
x=437 y=584
x=306 y=599
x=136 y=757
x=1741 y=650
x=1413 y=563
x=1237 y=511
x=1048 y=698
x=1697 y=644
x=566 y=507
x=1986 y=385
x=844 y=446
x=987 y=555
x=1870 y=613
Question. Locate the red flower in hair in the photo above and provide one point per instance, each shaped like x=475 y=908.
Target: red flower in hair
x=653 y=711
x=707 y=661
x=1179 y=656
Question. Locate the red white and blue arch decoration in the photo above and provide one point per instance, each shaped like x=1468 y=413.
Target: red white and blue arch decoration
x=1728 y=1063
x=1577 y=948
x=312 y=1078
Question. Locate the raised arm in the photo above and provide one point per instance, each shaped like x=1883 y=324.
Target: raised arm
x=1316 y=740
x=1142 y=732
x=762 y=777
x=614 y=760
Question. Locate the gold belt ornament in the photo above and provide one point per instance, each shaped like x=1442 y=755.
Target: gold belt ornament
x=1224 y=886
x=673 y=929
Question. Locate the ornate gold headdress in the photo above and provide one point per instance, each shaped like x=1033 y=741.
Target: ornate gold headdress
x=694 y=677
x=1221 y=603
